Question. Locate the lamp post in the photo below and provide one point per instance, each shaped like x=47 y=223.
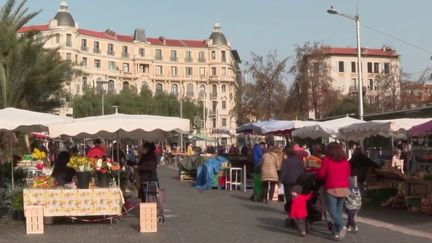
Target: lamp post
x=101 y=83
x=356 y=19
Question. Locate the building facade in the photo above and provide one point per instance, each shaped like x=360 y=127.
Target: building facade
x=203 y=70
x=377 y=66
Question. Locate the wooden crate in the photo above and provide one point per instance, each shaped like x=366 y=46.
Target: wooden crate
x=148 y=217
x=34 y=219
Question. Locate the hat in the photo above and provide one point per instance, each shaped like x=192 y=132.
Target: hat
x=297 y=189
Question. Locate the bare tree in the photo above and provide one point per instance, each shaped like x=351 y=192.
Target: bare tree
x=388 y=86
x=264 y=97
x=312 y=89
x=416 y=93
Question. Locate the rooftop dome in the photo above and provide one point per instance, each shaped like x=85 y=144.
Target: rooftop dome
x=63 y=17
x=217 y=37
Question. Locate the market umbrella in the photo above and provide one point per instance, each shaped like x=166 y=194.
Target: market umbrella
x=12 y=120
x=324 y=129
x=273 y=126
x=422 y=129
x=387 y=128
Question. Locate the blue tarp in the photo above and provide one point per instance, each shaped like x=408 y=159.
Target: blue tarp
x=206 y=172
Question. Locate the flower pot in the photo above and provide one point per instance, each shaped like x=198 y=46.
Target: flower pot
x=103 y=179
x=83 y=180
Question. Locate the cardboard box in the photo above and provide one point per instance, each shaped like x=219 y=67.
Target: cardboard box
x=148 y=217
x=34 y=219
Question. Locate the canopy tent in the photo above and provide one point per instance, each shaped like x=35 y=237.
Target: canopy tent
x=201 y=137
x=12 y=120
x=396 y=128
x=421 y=129
x=121 y=126
x=273 y=127
x=224 y=131
x=324 y=129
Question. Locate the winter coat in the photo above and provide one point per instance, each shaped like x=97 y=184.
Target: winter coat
x=298 y=206
x=335 y=174
x=292 y=169
x=257 y=154
x=271 y=163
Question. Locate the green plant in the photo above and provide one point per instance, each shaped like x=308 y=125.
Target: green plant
x=14 y=200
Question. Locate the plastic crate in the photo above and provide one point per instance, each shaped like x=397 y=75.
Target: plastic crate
x=148 y=217
x=34 y=219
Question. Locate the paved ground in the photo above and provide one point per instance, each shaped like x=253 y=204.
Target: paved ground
x=214 y=216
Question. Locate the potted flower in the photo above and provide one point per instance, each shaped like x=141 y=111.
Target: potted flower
x=104 y=169
x=84 y=167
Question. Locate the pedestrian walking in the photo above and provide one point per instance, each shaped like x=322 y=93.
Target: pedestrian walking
x=271 y=164
x=335 y=171
x=298 y=211
x=291 y=170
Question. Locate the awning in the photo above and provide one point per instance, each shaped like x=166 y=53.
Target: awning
x=201 y=137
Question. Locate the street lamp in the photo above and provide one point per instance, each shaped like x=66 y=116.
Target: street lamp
x=101 y=83
x=356 y=19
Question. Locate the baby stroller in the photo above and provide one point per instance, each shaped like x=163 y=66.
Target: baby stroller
x=152 y=193
x=316 y=206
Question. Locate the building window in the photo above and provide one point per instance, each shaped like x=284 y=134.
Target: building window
x=341 y=67
x=111 y=87
x=224 y=122
x=174 y=89
x=214 y=72
x=214 y=91
x=202 y=71
x=371 y=84
x=125 y=85
x=354 y=84
x=110 y=50
x=213 y=55
x=369 y=67
x=223 y=56
x=202 y=90
x=96 y=47
x=97 y=63
x=84 y=83
x=214 y=122
x=387 y=68
x=158 y=70
x=188 y=71
x=125 y=67
x=201 y=56
x=224 y=104
x=376 y=67
x=173 y=56
x=189 y=90
x=57 y=38
x=112 y=66
x=68 y=40
x=223 y=88
x=84 y=62
x=174 y=71
x=188 y=56
x=142 y=52
x=353 y=67
x=158 y=54
x=84 y=46
x=224 y=71
x=159 y=88
x=125 y=52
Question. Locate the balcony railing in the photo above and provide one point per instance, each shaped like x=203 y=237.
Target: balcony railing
x=201 y=59
x=84 y=48
x=125 y=55
x=173 y=59
x=110 y=52
x=188 y=59
x=212 y=113
x=214 y=95
x=159 y=58
x=96 y=50
x=190 y=94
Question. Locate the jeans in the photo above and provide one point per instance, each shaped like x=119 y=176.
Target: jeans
x=351 y=217
x=335 y=207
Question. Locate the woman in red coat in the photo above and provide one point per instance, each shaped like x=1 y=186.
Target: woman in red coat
x=335 y=171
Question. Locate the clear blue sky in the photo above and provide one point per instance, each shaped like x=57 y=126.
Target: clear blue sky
x=258 y=25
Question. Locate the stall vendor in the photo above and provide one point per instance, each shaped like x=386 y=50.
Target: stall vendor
x=61 y=172
x=98 y=151
x=397 y=162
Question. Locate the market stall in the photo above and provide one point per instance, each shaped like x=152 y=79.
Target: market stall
x=273 y=127
x=324 y=129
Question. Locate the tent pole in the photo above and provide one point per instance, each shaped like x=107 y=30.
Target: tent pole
x=12 y=162
x=118 y=157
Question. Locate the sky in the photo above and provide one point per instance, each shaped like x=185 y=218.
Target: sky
x=259 y=26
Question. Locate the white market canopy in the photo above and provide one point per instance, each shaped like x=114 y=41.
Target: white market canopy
x=121 y=126
x=324 y=129
x=12 y=119
x=396 y=128
x=273 y=126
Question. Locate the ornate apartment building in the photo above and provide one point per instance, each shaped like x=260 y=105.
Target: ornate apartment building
x=204 y=70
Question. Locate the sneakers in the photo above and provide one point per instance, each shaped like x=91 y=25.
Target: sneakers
x=353 y=229
x=343 y=232
x=336 y=237
x=303 y=234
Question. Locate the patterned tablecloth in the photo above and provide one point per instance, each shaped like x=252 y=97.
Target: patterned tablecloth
x=76 y=202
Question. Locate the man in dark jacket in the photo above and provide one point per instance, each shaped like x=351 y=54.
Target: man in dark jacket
x=360 y=165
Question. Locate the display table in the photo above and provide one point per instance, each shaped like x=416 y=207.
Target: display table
x=75 y=202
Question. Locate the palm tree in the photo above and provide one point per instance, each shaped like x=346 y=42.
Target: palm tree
x=31 y=77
